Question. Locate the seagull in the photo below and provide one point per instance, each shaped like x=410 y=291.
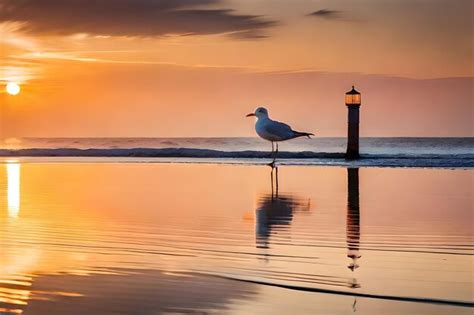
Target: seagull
x=274 y=131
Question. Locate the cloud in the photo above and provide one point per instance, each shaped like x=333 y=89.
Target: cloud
x=326 y=14
x=248 y=34
x=140 y=18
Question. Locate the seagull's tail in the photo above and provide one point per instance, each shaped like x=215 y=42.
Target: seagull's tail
x=302 y=134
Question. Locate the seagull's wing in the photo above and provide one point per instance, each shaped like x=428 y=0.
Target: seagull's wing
x=279 y=129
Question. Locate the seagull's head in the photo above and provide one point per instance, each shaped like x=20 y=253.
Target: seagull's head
x=260 y=112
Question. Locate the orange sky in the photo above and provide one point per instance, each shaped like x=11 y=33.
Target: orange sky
x=194 y=68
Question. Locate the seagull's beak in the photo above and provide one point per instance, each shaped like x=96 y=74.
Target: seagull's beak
x=250 y=115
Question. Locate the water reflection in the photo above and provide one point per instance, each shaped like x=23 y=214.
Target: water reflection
x=275 y=211
x=353 y=217
x=147 y=240
x=14 y=287
x=353 y=224
x=122 y=291
x=14 y=293
x=13 y=189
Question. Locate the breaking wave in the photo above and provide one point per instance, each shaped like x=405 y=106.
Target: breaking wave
x=253 y=157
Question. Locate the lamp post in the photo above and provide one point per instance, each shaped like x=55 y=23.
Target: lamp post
x=353 y=105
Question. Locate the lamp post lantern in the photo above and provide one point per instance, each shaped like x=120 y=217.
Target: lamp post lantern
x=353 y=105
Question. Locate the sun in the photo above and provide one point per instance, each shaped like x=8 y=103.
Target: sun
x=13 y=88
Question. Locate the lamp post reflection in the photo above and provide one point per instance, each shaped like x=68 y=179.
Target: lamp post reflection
x=13 y=189
x=353 y=217
x=353 y=221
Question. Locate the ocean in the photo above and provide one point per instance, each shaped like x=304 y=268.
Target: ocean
x=404 y=152
x=200 y=225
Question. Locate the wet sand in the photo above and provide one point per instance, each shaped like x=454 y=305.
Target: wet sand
x=142 y=238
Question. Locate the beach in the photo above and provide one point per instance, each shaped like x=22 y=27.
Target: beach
x=163 y=157
x=112 y=236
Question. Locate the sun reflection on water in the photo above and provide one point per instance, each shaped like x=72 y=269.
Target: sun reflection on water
x=13 y=189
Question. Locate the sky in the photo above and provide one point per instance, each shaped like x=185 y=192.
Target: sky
x=184 y=68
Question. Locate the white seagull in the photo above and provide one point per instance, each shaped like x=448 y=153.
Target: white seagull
x=274 y=131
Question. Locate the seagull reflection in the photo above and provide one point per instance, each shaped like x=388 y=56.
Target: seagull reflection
x=275 y=211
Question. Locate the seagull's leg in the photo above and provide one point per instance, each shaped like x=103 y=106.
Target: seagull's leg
x=276 y=152
x=272 y=164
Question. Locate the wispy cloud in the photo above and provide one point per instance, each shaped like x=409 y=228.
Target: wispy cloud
x=336 y=15
x=17 y=74
x=142 y=18
x=10 y=35
x=326 y=14
x=35 y=57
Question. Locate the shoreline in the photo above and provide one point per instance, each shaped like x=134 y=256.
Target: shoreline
x=434 y=163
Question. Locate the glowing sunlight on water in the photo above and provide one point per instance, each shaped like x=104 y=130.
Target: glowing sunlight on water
x=13 y=189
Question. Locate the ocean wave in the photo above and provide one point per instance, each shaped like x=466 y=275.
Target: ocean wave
x=162 y=152
x=254 y=157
